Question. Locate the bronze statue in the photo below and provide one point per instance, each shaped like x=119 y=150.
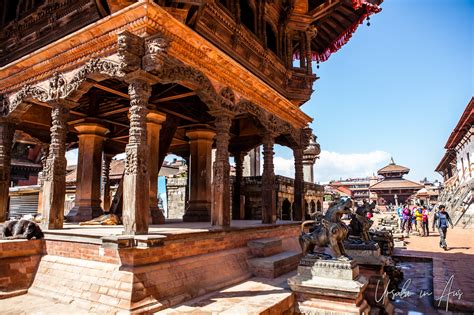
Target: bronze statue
x=21 y=229
x=329 y=230
x=360 y=224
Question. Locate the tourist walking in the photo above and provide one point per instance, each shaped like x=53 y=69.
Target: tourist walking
x=425 y=222
x=441 y=221
x=418 y=220
x=406 y=225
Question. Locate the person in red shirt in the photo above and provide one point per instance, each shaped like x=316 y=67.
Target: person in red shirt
x=424 y=221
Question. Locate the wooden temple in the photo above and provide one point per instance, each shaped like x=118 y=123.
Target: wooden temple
x=150 y=78
x=393 y=188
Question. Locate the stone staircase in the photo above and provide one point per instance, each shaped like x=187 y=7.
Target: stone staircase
x=459 y=204
x=269 y=259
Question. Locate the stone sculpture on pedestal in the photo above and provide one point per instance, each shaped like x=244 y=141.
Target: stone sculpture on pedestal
x=328 y=282
x=366 y=253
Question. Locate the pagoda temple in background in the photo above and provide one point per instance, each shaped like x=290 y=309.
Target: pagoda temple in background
x=394 y=189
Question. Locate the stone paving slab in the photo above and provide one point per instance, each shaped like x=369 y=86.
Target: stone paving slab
x=255 y=296
x=30 y=304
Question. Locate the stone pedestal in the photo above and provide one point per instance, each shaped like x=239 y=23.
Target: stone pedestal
x=154 y=121
x=326 y=286
x=89 y=168
x=371 y=266
x=199 y=206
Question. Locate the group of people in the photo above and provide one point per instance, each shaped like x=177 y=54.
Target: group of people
x=420 y=216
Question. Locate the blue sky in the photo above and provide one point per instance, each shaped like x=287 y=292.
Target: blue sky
x=396 y=89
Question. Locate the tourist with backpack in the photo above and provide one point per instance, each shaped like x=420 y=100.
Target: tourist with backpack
x=441 y=221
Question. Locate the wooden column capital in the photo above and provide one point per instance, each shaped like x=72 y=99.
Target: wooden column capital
x=155 y=117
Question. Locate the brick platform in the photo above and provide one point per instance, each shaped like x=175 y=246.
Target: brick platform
x=148 y=273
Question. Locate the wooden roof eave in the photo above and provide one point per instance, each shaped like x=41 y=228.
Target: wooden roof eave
x=99 y=40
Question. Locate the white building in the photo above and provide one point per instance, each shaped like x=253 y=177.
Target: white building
x=457 y=170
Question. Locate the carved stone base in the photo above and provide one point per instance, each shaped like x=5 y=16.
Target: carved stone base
x=156 y=215
x=371 y=266
x=378 y=281
x=329 y=286
x=365 y=253
x=198 y=212
x=84 y=213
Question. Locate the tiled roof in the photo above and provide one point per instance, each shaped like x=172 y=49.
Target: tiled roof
x=393 y=168
x=396 y=184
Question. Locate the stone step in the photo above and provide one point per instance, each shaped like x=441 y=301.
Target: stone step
x=275 y=265
x=265 y=247
x=254 y=296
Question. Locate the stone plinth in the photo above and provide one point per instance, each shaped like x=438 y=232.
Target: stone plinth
x=142 y=274
x=325 y=286
x=365 y=254
x=371 y=265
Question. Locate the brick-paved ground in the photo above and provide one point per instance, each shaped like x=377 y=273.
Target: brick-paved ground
x=457 y=261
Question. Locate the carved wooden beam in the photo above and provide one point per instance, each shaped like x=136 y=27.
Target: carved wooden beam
x=110 y=90
x=174 y=97
x=178 y=115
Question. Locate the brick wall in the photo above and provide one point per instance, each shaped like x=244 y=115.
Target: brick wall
x=19 y=261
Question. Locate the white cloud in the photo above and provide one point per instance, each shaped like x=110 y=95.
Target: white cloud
x=71 y=157
x=334 y=165
x=284 y=167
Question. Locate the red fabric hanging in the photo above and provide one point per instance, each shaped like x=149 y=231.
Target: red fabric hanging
x=345 y=36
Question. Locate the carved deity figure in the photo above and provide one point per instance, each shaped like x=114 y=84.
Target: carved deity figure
x=360 y=224
x=329 y=231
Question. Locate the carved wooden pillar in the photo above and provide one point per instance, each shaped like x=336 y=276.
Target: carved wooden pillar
x=41 y=175
x=220 y=213
x=154 y=123
x=199 y=172
x=268 y=181
x=136 y=200
x=105 y=189
x=302 y=50
x=298 y=214
x=309 y=58
x=237 y=213
x=289 y=50
x=91 y=136
x=54 y=186
x=7 y=130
